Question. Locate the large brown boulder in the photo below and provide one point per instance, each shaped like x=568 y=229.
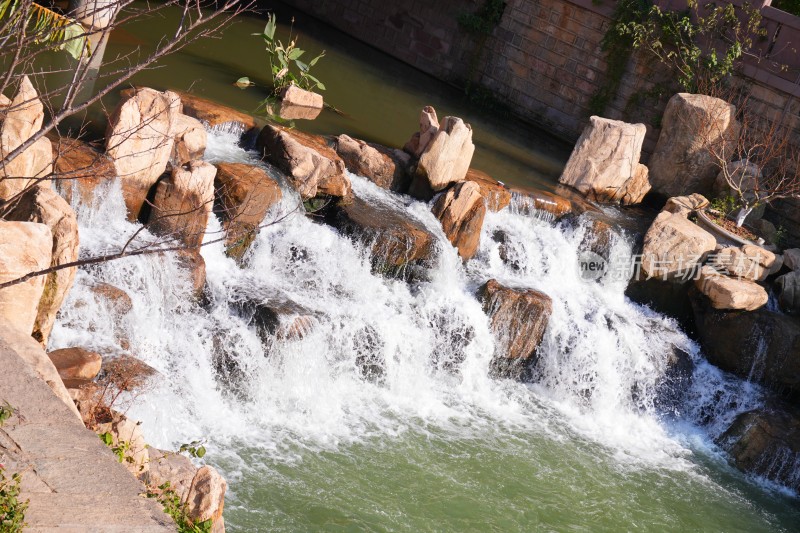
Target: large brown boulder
x=206 y=498
x=218 y=116
x=79 y=169
x=45 y=206
x=681 y=163
x=385 y=167
x=183 y=202
x=461 y=210
x=518 y=320
x=19 y=303
x=139 y=141
x=674 y=247
x=760 y=345
x=21 y=120
x=730 y=293
x=495 y=195
x=394 y=238
x=244 y=194
x=447 y=157
x=766 y=442
x=604 y=164
x=76 y=366
x=190 y=140
x=312 y=166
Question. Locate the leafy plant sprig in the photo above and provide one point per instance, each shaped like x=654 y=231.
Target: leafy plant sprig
x=285 y=65
x=12 y=508
x=175 y=508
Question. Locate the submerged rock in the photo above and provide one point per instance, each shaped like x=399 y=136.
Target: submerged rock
x=313 y=167
x=244 y=195
x=766 y=442
x=119 y=299
x=395 y=239
x=518 y=320
x=761 y=345
x=604 y=164
x=218 y=116
x=461 y=210
x=681 y=163
x=385 y=167
x=534 y=201
x=80 y=169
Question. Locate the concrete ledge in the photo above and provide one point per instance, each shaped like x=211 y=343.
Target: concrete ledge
x=73 y=481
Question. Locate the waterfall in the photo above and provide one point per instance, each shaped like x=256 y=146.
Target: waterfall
x=377 y=356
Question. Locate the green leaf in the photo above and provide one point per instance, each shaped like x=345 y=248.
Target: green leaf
x=269 y=30
x=302 y=66
x=107 y=439
x=314 y=61
x=243 y=82
x=75 y=43
x=201 y=451
x=295 y=54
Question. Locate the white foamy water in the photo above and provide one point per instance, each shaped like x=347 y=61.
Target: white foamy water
x=602 y=360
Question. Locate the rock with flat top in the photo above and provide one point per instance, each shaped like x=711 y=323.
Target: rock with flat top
x=681 y=163
x=217 y=116
x=461 y=210
x=518 y=319
x=297 y=103
x=604 y=164
x=139 y=141
x=19 y=303
x=80 y=169
x=730 y=293
x=495 y=195
x=76 y=366
x=748 y=262
x=313 y=167
x=674 y=247
x=447 y=157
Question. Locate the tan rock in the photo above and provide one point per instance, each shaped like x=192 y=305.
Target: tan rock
x=383 y=166
x=312 y=166
x=139 y=141
x=19 y=303
x=730 y=293
x=127 y=437
x=190 y=140
x=76 y=365
x=685 y=205
x=787 y=289
x=119 y=299
x=127 y=369
x=22 y=120
x=674 y=247
x=681 y=163
x=748 y=262
x=428 y=126
x=80 y=169
x=244 y=195
x=461 y=210
x=170 y=467
x=604 y=164
x=447 y=157
x=496 y=195
x=195 y=265
x=518 y=320
x=36 y=358
x=206 y=499
x=183 y=202
x=297 y=103
x=45 y=206
x=533 y=201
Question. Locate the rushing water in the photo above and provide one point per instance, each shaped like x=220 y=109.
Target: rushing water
x=308 y=443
